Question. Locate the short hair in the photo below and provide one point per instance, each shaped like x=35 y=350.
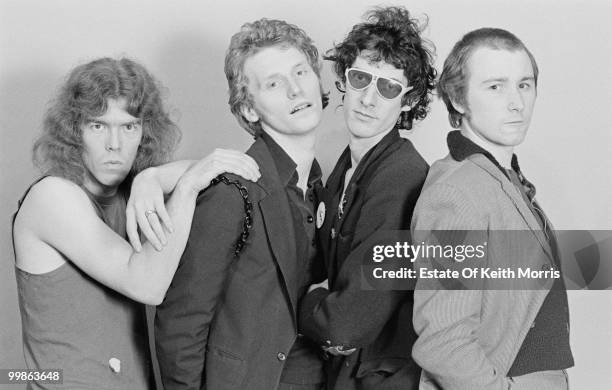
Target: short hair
x=252 y=38
x=452 y=85
x=84 y=95
x=390 y=34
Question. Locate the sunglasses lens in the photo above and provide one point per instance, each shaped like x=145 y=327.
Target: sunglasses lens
x=358 y=79
x=388 y=88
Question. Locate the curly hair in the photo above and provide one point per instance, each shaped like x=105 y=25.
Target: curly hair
x=85 y=93
x=252 y=38
x=389 y=34
x=452 y=86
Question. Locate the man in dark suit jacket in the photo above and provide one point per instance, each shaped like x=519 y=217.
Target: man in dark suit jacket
x=387 y=71
x=230 y=323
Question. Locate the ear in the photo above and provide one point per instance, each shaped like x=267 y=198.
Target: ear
x=249 y=114
x=458 y=107
x=406 y=108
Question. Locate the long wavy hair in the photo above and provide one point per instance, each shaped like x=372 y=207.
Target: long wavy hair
x=84 y=95
x=390 y=34
x=252 y=38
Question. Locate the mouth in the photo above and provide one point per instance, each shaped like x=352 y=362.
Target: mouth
x=517 y=122
x=113 y=163
x=300 y=107
x=363 y=115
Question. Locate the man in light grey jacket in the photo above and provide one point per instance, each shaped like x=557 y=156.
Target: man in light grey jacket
x=490 y=337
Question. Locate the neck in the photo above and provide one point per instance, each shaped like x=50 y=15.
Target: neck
x=360 y=146
x=503 y=154
x=98 y=189
x=301 y=149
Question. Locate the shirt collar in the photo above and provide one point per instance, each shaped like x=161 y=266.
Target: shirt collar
x=285 y=165
x=461 y=148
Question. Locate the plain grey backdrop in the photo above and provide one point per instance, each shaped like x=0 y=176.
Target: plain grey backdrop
x=567 y=153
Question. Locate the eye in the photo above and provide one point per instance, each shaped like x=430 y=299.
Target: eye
x=302 y=72
x=525 y=86
x=495 y=87
x=273 y=84
x=131 y=127
x=96 y=127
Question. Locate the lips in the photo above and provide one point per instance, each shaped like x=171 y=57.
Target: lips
x=113 y=163
x=363 y=115
x=300 y=107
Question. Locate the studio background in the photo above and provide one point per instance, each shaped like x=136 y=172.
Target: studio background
x=567 y=153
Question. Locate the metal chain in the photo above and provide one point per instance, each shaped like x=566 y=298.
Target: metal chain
x=247 y=224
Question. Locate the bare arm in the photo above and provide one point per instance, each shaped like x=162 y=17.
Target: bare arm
x=150 y=186
x=60 y=214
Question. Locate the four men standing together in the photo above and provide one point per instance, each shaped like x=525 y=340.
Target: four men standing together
x=284 y=306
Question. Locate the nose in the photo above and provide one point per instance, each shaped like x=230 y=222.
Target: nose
x=293 y=88
x=113 y=139
x=515 y=100
x=368 y=96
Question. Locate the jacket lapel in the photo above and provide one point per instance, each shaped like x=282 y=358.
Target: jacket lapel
x=519 y=203
x=330 y=228
x=277 y=219
x=367 y=163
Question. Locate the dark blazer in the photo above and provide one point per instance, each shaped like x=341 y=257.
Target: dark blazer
x=380 y=196
x=228 y=324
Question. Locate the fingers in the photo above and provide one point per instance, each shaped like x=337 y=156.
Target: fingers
x=131 y=228
x=236 y=162
x=339 y=350
x=153 y=220
x=162 y=213
x=145 y=228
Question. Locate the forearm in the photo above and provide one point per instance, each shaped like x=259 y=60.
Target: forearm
x=168 y=175
x=149 y=272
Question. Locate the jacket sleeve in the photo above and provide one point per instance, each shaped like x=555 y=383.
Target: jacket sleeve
x=447 y=321
x=350 y=315
x=183 y=319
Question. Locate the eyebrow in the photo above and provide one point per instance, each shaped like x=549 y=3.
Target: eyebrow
x=384 y=77
x=504 y=79
x=279 y=74
x=133 y=122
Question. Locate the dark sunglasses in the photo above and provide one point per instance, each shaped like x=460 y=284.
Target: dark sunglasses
x=359 y=80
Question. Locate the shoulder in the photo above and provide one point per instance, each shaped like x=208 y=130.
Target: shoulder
x=403 y=165
x=225 y=200
x=464 y=176
x=52 y=204
x=53 y=192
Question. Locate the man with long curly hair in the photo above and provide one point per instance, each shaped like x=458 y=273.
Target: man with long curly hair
x=386 y=72
x=79 y=281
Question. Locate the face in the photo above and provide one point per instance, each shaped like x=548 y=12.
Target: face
x=366 y=112
x=500 y=97
x=110 y=146
x=285 y=91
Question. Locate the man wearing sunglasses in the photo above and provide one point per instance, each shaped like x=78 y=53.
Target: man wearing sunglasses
x=387 y=73
x=490 y=338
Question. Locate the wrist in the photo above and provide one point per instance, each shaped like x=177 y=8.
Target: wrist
x=185 y=189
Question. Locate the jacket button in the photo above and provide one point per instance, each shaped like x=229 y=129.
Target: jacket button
x=281 y=356
x=310 y=219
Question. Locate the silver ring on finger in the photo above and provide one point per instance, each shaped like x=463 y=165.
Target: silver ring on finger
x=150 y=212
